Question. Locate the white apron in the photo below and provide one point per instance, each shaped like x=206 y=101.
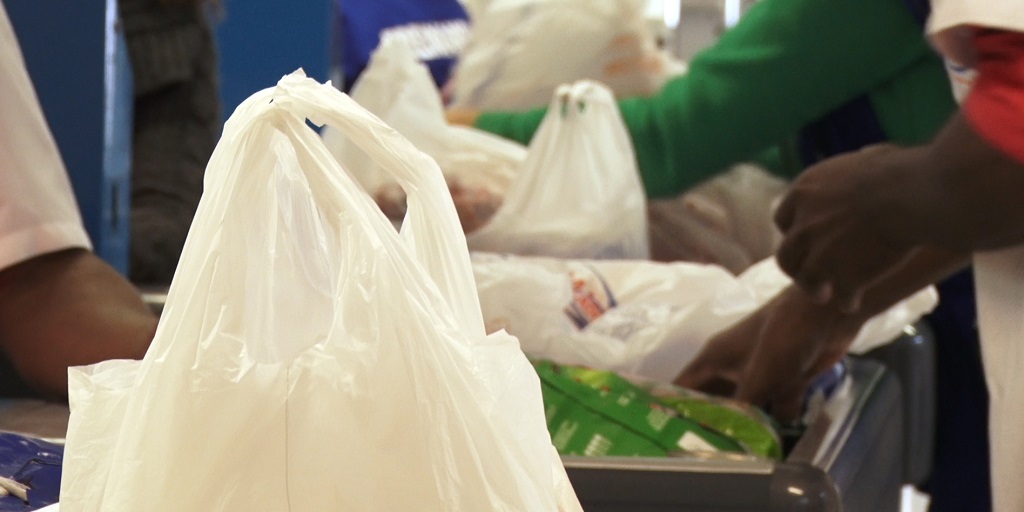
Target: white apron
x=38 y=213
x=999 y=275
x=999 y=278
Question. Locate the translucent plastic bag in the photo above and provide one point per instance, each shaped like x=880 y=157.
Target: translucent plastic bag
x=398 y=89
x=640 y=317
x=578 y=195
x=309 y=356
x=520 y=51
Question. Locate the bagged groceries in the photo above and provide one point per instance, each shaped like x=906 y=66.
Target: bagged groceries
x=398 y=89
x=594 y=413
x=726 y=220
x=520 y=51
x=639 y=317
x=309 y=356
x=578 y=195
x=575 y=193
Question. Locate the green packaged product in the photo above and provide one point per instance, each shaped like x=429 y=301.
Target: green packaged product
x=747 y=424
x=594 y=412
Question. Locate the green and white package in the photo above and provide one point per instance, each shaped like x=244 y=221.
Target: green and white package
x=594 y=412
x=747 y=424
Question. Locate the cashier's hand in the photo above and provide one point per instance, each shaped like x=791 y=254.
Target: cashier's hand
x=461 y=116
x=770 y=358
x=831 y=219
x=474 y=205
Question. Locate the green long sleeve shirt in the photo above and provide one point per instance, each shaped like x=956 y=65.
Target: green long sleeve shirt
x=786 y=64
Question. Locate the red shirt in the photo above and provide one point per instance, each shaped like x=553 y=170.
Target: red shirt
x=995 y=105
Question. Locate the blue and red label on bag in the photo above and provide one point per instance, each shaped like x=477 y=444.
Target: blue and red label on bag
x=591 y=296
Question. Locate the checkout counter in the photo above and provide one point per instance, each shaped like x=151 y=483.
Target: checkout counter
x=849 y=460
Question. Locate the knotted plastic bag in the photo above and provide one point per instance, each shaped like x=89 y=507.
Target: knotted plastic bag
x=309 y=356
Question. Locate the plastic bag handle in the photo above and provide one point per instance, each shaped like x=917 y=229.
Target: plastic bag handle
x=431 y=228
x=433 y=240
x=572 y=99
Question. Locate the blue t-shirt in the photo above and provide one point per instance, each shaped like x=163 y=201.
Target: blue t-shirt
x=435 y=29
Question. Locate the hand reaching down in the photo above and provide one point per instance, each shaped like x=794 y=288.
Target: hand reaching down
x=770 y=358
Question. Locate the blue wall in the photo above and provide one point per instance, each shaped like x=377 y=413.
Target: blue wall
x=79 y=66
x=260 y=41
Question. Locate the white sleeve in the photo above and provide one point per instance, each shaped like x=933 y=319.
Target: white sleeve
x=1004 y=14
x=38 y=212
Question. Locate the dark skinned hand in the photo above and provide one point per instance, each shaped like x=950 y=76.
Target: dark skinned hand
x=832 y=245
x=770 y=358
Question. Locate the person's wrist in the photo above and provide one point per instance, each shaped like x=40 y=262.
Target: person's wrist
x=825 y=316
x=916 y=195
x=902 y=189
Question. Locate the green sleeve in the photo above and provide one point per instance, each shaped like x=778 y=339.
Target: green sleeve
x=519 y=127
x=787 y=62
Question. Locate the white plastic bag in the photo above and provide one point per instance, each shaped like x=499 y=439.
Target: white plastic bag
x=520 y=51
x=399 y=90
x=309 y=356
x=578 y=195
x=639 y=317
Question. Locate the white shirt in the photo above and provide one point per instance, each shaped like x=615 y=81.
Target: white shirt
x=999 y=275
x=38 y=213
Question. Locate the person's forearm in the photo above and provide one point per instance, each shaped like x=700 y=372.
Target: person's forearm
x=969 y=179
x=68 y=308
x=958 y=193
x=925 y=266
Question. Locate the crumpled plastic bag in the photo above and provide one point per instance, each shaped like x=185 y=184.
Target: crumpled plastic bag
x=640 y=317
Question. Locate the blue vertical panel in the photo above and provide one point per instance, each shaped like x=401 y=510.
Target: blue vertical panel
x=119 y=100
x=79 y=65
x=259 y=41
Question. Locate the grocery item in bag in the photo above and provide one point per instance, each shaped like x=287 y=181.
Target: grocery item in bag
x=726 y=220
x=309 y=357
x=397 y=88
x=593 y=412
